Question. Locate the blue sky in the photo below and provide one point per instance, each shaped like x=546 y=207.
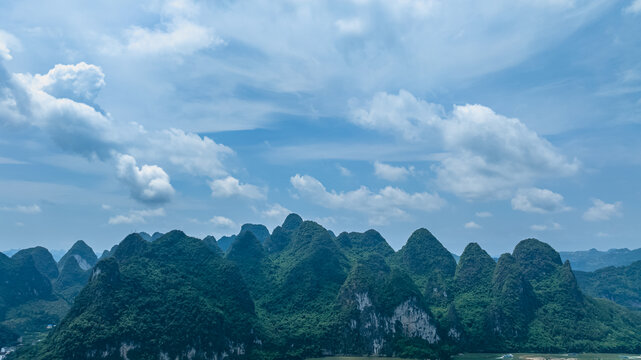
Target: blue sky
x=482 y=121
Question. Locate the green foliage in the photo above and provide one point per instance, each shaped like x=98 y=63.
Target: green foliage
x=619 y=284
x=172 y=296
x=305 y=292
x=81 y=249
x=429 y=264
x=7 y=337
x=512 y=306
x=259 y=230
x=472 y=289
x=536 y=259
x=358 y=246
x=42 y=259
x=212 y=244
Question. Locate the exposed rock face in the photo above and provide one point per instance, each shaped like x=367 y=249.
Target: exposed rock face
x=376 y=330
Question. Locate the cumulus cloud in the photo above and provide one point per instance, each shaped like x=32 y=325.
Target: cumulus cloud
x=276 y=211
x=147 y=184
x=391 y=173
x=538 y=201
x=231 y=186
x=553 y=226
x=188 y=151
x=136 y=216
x=600 y=210
x=402 y=114
x=25 y=209
x=72 y=121
x=61 y=104
x=389 y=202
x=81 y=82
x=483 y=214
x=222 y=222
x=487 y=155
x=471 y=225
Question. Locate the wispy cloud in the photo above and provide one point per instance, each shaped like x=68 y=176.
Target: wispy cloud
x=24 y=209
x=136 y=216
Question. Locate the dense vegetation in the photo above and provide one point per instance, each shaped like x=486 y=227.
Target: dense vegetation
x=35 y=291
x=301 y=292
x=619 y=284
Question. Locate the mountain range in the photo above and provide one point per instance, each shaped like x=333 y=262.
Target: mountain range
x=302 y=292
x=593 y=259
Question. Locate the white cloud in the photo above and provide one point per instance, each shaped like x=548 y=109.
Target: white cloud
x=61 y=104
x=389 y=202
x=483 y=214
x=136 y=216
x=472 y=225
x=230 y=186
x=179 y=33
x=148 y=184
x=72 y=121
x=81 y=82
x=602 y=234
x=601 y=210
x=487 y=155
x=222 y=222
x=553 y=226
x=538 y=201
x=25 y=209
x=7 y=41
x=634 y=7
x=344 y=171
x=401 y=114
x=188 y=151
x=276 y=211
x=391 y=173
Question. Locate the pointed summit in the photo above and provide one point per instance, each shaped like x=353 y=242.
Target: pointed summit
x=246 y=247
x=84 y=255
x=282 y=235
x=132 y=245
x=474 y=269
x=429 y=263
x=145 y=236
x=42 y=259
x=536 y=258
x=292 y=222
x=423 y=254
x=259 y=230
x=212 y=244
x=361 y=245
x=513 y=304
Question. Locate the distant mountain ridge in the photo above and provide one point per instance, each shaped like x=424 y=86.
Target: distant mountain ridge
x=621 y=284
x=593 y=259
x=304 y=292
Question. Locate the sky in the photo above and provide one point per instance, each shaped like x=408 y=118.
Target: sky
x=486 y=122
